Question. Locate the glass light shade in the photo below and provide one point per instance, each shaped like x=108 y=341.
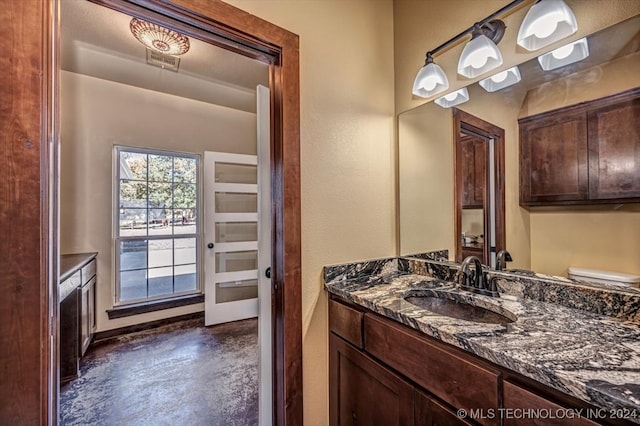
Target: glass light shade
x=158 y=38
x=546 y=22
x=430 y=81
x=454 y=98
x=479 y=56
x=501 y=80
x=565 y=55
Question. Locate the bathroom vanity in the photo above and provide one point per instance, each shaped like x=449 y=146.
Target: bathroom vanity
x=563 y=350
x=76 y=293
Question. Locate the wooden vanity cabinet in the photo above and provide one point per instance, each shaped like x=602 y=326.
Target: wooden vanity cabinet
x=77 y=295
x=365 y=391
x=582 y=154
x=402 y=377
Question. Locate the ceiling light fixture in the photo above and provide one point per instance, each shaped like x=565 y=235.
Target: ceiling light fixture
x=546 y=22
x=565 y=55
x=501 y=80
x=160 y=39
x=481 y=54
x=454 y=98
x=430 y=80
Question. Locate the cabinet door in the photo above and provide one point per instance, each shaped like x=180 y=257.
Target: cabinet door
x=84 y=319
x=69 y=333
x=553 y=158
x=614 y=150
x=474 y=159
x=87 y=315
x=92 y=308
x=429 y=412
x=364 y=393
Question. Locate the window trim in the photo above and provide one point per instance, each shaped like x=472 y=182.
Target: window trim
x=116 y=238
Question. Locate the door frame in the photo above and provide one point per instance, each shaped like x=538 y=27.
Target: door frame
x=28 y=190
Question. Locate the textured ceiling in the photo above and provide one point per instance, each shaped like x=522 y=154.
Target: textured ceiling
x=97 y=41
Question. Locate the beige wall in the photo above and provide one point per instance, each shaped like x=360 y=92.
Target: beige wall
x=601 y=237
x=421 y=25
x=98 y=114
x=347 y=153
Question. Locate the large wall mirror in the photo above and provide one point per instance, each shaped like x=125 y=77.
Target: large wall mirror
x=547 y=240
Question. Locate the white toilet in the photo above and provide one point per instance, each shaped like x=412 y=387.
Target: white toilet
x=604 y=277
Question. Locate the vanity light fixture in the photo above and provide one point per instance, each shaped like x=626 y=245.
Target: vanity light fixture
x=501 y=80
x=430 y=80
x=454 y=98
x=546 y=22
x=160 y=39
x=481 y=54
x=565 y=55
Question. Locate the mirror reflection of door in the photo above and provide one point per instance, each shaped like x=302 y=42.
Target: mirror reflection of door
x=479 y=189
x=474 y=175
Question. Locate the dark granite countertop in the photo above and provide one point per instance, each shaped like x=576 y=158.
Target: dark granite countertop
x=69 y=263
x=590 y=356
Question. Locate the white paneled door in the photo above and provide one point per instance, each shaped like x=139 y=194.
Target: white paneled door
x=231 y=237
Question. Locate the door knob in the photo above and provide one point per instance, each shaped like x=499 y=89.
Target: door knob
x=210 y=245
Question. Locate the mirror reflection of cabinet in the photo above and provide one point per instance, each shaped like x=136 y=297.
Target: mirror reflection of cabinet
x=582 y=154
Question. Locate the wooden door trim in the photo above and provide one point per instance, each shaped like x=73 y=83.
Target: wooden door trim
x=463 y=119
x=28 y=302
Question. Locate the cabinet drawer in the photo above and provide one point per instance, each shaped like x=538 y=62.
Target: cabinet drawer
x=88 y=271
x=346 y=322
x=451 y=378
x=517 y=398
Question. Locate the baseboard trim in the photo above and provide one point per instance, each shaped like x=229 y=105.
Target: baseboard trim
x=106 y=336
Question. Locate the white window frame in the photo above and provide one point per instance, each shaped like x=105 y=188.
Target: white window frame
x=116 y=238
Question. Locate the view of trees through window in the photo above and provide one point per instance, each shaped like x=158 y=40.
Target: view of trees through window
x=157 y=236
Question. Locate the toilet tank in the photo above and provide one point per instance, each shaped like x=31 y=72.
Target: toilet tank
x=604 y=277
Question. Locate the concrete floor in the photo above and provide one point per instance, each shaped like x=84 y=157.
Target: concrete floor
x=184 y=374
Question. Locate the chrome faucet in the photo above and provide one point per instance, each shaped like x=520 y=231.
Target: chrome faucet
x=502 y=259
x=477 y=280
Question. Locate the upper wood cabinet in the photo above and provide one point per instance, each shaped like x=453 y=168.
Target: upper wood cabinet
x=583 y=154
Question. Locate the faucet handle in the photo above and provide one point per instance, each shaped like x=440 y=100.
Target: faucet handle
x=491 y=287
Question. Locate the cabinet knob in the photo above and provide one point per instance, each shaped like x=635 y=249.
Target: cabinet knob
x=210 y=245
x=354 y=416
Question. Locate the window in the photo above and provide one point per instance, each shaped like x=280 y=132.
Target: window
x=157 y=236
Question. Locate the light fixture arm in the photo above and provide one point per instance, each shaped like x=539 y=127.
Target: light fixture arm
x=491 y=20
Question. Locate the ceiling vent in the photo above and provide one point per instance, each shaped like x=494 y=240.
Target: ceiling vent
x=163 y=61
